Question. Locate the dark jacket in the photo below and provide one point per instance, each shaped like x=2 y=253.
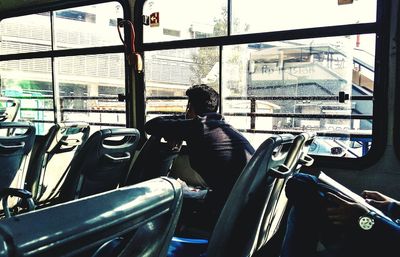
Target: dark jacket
x=217 y=151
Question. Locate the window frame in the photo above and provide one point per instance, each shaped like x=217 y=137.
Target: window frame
x=396 y=125
x=380 y=28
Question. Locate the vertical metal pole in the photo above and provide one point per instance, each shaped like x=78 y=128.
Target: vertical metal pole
x=253 y=111
x=228 y=28
x=56 y=88
x=229 y=18
x=220 y=81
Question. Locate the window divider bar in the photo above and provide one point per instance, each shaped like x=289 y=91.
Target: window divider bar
x=330 y=31
x=305 y=116
x=322 y=134
x=64 y=53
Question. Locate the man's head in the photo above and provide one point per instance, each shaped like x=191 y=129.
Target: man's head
x=202 y=99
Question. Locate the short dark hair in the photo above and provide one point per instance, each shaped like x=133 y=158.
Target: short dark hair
x=203 y=98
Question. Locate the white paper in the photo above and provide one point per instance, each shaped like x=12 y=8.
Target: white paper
x=347 y=192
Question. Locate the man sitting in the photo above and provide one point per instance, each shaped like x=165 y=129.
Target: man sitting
x=217 y=151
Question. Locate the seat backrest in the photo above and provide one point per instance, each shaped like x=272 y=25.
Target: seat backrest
x=52 y=156
x=101 y=164
x=138 y=220
x=244 y=221
x=14 y=148
x=9 y=108
x=154 y=160
x=277 y=202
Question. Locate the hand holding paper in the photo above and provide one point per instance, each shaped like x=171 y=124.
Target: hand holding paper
x=355 y=197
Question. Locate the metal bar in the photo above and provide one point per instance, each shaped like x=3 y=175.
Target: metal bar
x=286 y=115
x=91 y=111
x=163 y=113
x=253 y=110
x=54 y=71
x=123 y=125
x=73 y=110
x=34 y=97
x=166 y=98
x=42 y=121
x=306 y=116
x=90 y=123
x=90 y=98
x=341 y=30
x=333 y=98
x=350 y=135
x=70 y=97
x=37 y=109
x=64 y=53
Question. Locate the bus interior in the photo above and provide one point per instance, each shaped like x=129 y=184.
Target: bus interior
x=313 y=85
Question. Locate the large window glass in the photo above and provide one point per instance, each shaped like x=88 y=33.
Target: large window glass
x=266 y=16
x=29 y=83
x=88 y=26
x=275 y=82
x=89 y=86
x=181 y=19
x=25 y=34
x=169 y=73
x=69 y=88
x=296 y=85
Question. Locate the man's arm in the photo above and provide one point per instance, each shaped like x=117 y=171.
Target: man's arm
x=388 y=205
x=176 y=127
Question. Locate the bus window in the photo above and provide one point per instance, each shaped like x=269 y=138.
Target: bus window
x=29 y=81
x=87 y=26
x=25 y=34
x=277 y=71
x=262 y=16
x=56 y=79
x=185 y=21
x=294 y=85
x=169 y=73
x=89 y=86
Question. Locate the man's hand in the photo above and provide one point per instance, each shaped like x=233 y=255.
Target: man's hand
x=346 y=212
x=190 y=192
x=378 y=200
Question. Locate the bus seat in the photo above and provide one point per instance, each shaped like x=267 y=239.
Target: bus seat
x=52 y=156
x=100 y=165
x=14 y=148
x=23 y=195
x=154 y=160
x=138 y=220
x=9 y=108
x=245 y=222
x=274 y=220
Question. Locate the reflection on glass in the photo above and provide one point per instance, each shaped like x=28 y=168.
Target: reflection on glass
x=89 y=86
x=295 y=85
x=266 y=16
x=25 y=34
x=181 y=19
x=29 y=81
x=170 y=72
x=88 y=26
